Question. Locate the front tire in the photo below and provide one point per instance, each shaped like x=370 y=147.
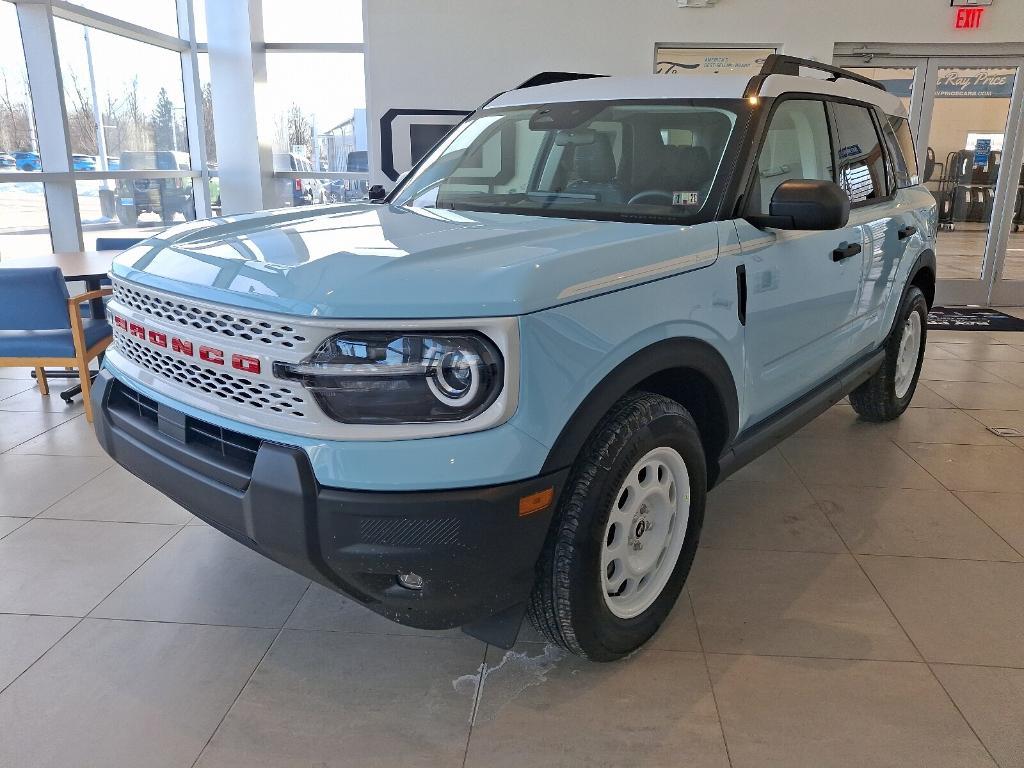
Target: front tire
x=888 y=393
x=626 y=532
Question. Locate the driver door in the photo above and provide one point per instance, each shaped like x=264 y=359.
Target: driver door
x=801 y=296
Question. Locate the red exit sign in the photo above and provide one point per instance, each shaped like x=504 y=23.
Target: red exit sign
x=969 y=18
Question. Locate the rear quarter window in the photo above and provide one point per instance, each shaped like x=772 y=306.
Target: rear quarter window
x=900 y=143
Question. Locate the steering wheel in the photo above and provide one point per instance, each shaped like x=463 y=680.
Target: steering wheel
x=651 y=197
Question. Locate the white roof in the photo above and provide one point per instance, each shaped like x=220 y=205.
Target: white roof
x=655 y=87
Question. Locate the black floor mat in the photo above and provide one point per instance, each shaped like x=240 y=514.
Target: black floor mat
x=972 y=319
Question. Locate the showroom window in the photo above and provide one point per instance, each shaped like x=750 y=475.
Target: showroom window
x=129 y=113
x=319 y=135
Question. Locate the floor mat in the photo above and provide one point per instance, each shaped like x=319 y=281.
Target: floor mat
x=972 y=319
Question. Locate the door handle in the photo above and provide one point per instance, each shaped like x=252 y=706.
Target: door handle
x=845 y=251
x=906 y=232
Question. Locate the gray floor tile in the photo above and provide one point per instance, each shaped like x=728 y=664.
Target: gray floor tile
x=992 y=700
x=30 y=484
x=10 y=387
x=958 y=370
x=1003 y=511
x=204 y=577
x=792 y=604
x=935 y=352
x=120 y=497
x=75 y=437
x=955 y=611
x=981 y=395
x=916 y=425
x=333 y=699
x=924 y=397
x=1011 y=372
x=998 y=418
x=781 y=516
x=18 y=426
x=127 y=694
x=770 y=467
x=989 y=353
x=972 y=467
x=17 y=373
x=10 y=524
x=543 y=708
x=826 y=461
x=679 y=632
x=32 y=400
x=809 y=713
x=915 y=523
x=23 y=639
x=65 y=567
x=323 y=609
x=957 y=337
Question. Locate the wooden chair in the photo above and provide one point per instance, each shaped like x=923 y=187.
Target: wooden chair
x=42 y=325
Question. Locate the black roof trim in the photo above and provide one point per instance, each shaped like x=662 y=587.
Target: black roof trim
x=777 y=64
x=549 y=78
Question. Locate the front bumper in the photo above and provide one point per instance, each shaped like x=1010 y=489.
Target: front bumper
x=474 y=551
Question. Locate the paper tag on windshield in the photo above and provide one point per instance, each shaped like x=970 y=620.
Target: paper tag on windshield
x=686 y=198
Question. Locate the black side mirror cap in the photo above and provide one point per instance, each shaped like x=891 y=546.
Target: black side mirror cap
x=377 y=193
x=806 y=204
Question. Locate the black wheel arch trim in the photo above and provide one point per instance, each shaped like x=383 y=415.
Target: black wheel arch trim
x=925 y=260
x=666 y=355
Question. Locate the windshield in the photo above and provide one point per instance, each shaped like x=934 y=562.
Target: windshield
x=635 y=160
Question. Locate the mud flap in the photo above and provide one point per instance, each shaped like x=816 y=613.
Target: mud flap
x=501 y=629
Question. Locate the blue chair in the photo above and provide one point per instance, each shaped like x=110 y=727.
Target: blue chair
x=41 y=325
x=117 y=243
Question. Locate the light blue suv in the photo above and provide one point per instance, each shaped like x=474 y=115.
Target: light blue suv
x=507 y=388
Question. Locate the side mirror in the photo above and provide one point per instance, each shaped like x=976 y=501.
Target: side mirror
x=806 y=204
x=377 y=193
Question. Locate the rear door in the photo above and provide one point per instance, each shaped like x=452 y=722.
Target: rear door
x=876 y=219
x=801 y=298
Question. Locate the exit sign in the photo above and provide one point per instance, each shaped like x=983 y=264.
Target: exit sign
x=969 y=18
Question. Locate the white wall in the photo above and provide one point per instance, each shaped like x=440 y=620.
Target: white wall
x=454 y=54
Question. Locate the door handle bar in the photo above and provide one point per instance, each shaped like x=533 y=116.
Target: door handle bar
x=845 y=251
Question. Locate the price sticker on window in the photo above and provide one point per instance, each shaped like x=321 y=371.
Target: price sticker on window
x=686 y=198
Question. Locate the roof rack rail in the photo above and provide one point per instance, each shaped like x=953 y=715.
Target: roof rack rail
x=777 y=64
x=550 y=78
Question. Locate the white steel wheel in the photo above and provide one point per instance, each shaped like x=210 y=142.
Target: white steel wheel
x=909 y=351
x=645 y=532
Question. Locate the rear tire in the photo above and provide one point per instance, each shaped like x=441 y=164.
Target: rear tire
x=631 y=511
x=888 y=393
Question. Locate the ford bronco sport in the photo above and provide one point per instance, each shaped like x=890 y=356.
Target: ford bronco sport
x=507 y=389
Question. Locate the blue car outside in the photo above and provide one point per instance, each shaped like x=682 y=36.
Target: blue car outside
x=27 y=161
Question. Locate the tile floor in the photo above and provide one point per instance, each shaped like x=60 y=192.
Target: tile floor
x=858 y=601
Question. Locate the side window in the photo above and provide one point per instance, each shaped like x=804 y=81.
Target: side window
x=797 y=146
x=859 y=154
x=900 y=144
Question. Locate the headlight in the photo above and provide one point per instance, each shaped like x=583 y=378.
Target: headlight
x=375 y=377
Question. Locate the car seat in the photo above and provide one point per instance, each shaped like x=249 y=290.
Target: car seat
x=594 y=172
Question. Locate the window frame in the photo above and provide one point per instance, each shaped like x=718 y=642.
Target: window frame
x=890 y=195
x=755 y=156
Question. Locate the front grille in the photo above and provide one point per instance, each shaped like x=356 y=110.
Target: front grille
x=231 y=447
x=258 y=395
x=186 y=314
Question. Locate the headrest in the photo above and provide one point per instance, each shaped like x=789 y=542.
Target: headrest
x=594 y=162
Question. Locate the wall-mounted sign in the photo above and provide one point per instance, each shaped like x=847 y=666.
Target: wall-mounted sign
x=670 y=60
x=968 y=18
x=970 y=83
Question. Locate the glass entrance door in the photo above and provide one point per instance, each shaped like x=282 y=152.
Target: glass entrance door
x=966 y=114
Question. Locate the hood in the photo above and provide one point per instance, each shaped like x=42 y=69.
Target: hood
x=366 y=261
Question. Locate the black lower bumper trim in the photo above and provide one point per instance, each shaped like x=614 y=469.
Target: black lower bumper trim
x=475 y=554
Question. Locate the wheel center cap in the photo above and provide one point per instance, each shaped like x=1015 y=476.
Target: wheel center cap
x=641 y=524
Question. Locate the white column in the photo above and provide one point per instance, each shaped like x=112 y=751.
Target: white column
x=40 y=43
x=238 y=70
x=194 y=121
